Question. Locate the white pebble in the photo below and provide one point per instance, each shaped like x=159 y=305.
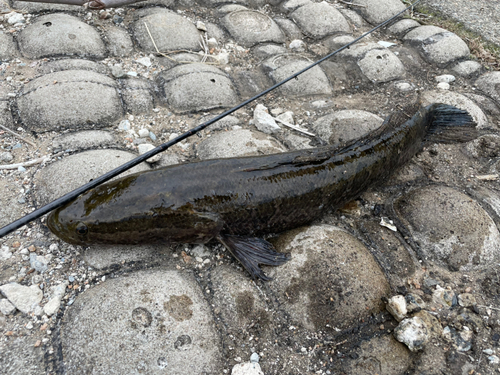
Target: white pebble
x=143 y=133
x=443 y=86
x=447 y=78
x=397 y=307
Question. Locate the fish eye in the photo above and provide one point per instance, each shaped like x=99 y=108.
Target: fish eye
x=81 y=229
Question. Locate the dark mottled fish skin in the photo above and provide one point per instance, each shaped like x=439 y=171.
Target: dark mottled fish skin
x=247 y=196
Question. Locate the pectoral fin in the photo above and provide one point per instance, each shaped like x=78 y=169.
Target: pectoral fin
x=252 y=251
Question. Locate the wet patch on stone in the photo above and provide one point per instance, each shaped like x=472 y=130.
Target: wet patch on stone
x=450 y=228
x=101 y=325
x=322 y=284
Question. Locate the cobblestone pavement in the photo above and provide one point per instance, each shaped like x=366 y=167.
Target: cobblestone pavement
x=403 y=280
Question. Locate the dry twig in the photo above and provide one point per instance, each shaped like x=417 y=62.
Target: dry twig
x=17 y=135
x=295 y=127
x=30 y=163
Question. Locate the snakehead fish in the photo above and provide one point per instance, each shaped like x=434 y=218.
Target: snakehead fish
x=236 y=200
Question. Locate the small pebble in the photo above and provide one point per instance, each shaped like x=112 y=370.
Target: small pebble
x=117 y=71
x=254 y=358
x=413 y=333
x=146 y=61
x=446 y=78
x=124 y=125
x=443 y=86
x=494 y=360
x=466 y=299
x=143 y=133
x=297 y=45
x=201 y=26
x=397 y=307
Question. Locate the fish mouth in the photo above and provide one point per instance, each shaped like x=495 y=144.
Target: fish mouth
x=59 y=229
x=53 y=224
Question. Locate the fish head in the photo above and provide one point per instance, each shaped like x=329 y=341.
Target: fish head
x=118 y=213
x=66 y=224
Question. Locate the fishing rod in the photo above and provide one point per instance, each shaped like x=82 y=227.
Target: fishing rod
x=115 y=172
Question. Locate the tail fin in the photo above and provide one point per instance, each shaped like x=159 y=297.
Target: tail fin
x=451 y=124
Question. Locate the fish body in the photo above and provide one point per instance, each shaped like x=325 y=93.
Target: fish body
x=237 y=200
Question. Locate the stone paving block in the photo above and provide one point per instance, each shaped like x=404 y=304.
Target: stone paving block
x=381 y=66
x=291 y=30
x=118 y=41
x=241 y=142
x=450 y=228
x=83 y=140
x=7 y=47
x=378 y=11
x=402 y=27
x=72 y=64
x=489 y=83
x=320 y=19
x=353 y=17
x=158 y=318
x=249 y=27
x=67 y=174
x=268 y=50
x=36 y=7
x=346 y=125
x=239 y=301
x=137 y=95
x=330 y=271
x=312 y=82
x=438 y=46
x=229 y=8
x=467 y=68
x=28 y=363
x=249 y=83
x=60 y=34
x=291 y=5
x=215 y=31
x=149 y=3
x=357 y=50
x=196 y=87
x=215 y=3
x=169 y=31
x=69 y=99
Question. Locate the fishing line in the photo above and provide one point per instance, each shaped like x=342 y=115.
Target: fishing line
x=115 y=172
